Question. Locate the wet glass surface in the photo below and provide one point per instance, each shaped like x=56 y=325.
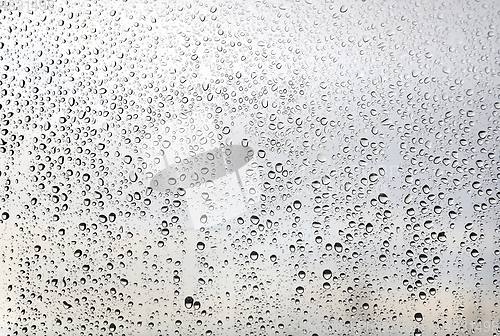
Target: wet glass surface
x=249 y=168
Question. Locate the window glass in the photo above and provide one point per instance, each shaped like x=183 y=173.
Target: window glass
x=296 y=167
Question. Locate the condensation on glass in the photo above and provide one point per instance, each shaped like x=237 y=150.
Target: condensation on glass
x=249 y=168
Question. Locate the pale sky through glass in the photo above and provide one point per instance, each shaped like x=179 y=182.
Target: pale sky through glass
x=249 y=168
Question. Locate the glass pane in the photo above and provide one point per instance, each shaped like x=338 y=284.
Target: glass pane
x=296 y=167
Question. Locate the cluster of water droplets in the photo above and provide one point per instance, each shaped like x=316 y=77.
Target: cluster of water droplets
x=368 y=189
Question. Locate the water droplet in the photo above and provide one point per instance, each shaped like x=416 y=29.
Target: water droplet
x=383 y=198
x=188 y=302
x=254 y=255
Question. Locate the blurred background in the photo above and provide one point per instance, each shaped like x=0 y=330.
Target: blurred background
x=249 y=168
